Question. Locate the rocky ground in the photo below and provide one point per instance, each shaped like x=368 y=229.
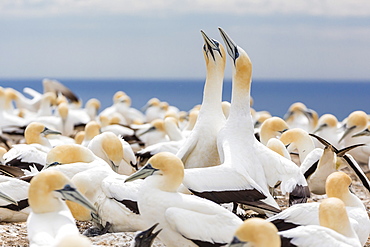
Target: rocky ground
x=15 y=234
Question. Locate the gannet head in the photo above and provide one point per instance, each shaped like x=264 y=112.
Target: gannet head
x=35 y=132
x=48 y=188
x=70 y=153
x=337 y=185
x=117 y=96
x=213 y=51
x=333 y=215
x=295 y=135
x=92 y=129
x=112 y=147
x=272 y=127
x=356 y=121
x=326 y=120
x=167 y=166
x=93 y=103
x=257 y=232
x=242 y=65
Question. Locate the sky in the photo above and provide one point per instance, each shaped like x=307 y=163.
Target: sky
x=285 y=39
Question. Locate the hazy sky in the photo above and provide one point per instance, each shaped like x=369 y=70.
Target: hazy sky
x=318 y=39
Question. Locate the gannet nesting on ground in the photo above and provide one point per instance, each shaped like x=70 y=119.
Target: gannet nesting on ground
x=14 y=199
x=185 y=220
x=115 y=201
x=33 y=153
x=334 y=230
x=337 y=185
x=200 y=148
x=299 y=116
x=256 y=232
x=50 y=219
x=112 y=150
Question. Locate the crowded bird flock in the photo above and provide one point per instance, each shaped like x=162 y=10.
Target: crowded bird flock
x=221 y=174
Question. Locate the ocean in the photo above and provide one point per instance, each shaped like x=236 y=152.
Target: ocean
x=336 y=97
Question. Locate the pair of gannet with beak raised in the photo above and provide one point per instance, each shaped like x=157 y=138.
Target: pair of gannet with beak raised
x=248 y=167
x=50 y=220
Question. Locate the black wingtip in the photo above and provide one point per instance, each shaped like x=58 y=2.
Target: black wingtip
x=300 y=194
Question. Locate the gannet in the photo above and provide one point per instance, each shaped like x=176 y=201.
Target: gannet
x=33 y=152
x=337 y=185
x=334 y=229
x=185 y=220
x=200 y=148
x=50 y=219
x=299 y=116
x=258 y=233
x=153 y=110
x=115 y=201
x=113 y=150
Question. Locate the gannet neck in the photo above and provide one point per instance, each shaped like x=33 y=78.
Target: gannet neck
x=70 y=153
x=242 y=78
x=40 y=194
x=259 y=233
x=333 y=214
x=172 y=129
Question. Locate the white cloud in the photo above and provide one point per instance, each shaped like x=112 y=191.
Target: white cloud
x=169 y=7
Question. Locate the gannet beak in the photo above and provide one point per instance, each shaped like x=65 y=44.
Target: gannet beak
x=346 y=132
x=56 y=163
x=210 y=44
x=236 y=243
x=144 y=172
x=8 y=198
x=147 y=131
x=319 y=128
x=146 y=238
x=72 y=194
x=114 y=166
x=232 y=48
x=365 y=132
x=48 y=131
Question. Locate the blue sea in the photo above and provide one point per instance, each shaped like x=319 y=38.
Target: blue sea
x=337 y=97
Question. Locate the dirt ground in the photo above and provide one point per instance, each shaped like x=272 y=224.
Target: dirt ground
x=15 y=234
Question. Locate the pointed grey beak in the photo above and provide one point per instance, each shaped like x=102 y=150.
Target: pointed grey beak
x=147 y=131
x=56 y=163
x=210 y=45
x=72 y=194
x=144 y=172
x=320 y=127
x=365 y=132
x=236 y=243
x=8 y=198
x=346 y=133
x=231 y=47
x=48 y=131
